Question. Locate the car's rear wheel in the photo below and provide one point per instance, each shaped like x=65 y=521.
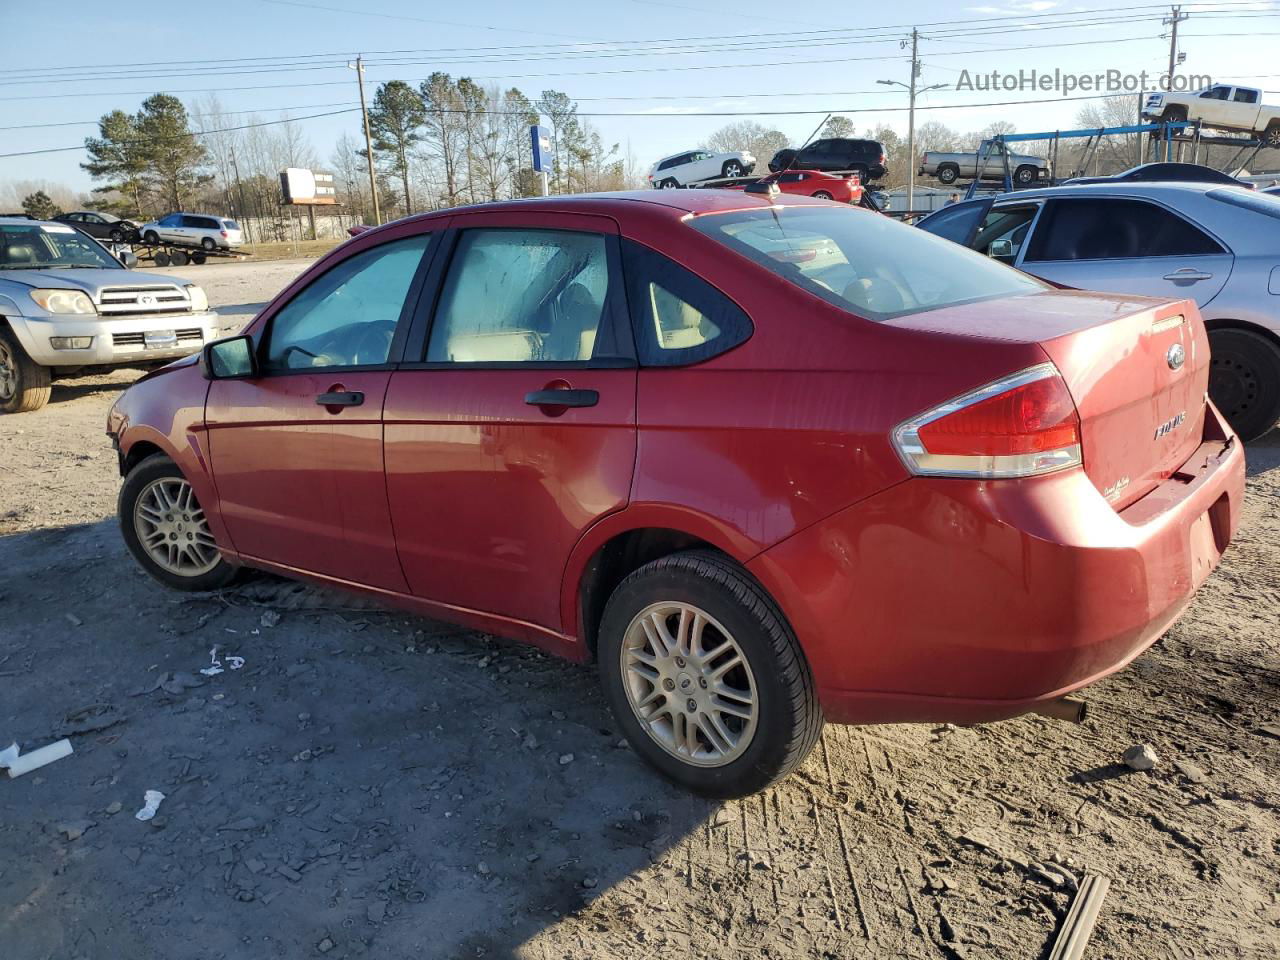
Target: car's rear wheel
x=24 y=384
x=705 y=676
x=151 y=237
x=1272 y=135
x=948 y=173
x=1244 y=380
x=166 y=529
x=823 y=195
x=208 y=243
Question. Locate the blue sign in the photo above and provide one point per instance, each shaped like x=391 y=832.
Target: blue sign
x=542 y=160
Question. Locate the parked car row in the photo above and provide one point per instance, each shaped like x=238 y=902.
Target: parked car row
x=863 y=158
x=1214 y=244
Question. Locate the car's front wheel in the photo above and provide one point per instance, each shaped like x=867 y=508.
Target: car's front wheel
x=24 y=384
x=669 y=184
x=166 y=529
x=705 y=676
x=1244 y=380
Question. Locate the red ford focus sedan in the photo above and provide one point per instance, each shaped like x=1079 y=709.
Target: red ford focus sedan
x=766 y=460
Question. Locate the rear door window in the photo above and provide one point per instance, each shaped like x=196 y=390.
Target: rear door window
x=678 y=317
x=863 y=262
x=1243 y=95
x=522 y=296
x=1114 y=228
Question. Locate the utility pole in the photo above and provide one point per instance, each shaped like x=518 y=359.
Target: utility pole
x=1172 y=21
x=244 y=210
x=358 y=67
x=911 y=111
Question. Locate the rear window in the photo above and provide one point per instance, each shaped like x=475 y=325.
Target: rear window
x=1257 y=202
x=231 y=224
x=862 y=262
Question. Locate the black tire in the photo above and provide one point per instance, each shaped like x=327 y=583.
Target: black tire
x=161 y=258
x=117 y=235
x=151 y=237
x=948 y=173
x=671 y=183
x=823 y=195
x=153 y=468
x=789 y=718
x=208 y=244
x=1244 y=380
x=732 y=168
x=198 y=258
x=179 y=258
x=782 y=160
x=29 y=389
x=1024 y=175
x=1272 y=135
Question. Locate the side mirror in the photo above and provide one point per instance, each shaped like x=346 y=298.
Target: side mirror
x=129 y=259
x=1000 y=250
x=230 y=359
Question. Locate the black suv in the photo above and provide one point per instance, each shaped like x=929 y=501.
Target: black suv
x=864 y=157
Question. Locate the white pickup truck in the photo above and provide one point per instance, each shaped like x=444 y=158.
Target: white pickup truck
x=1222 y=107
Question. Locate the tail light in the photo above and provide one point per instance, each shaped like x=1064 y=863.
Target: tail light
x=884 y=158
x=224 y=233
x=1023 y=425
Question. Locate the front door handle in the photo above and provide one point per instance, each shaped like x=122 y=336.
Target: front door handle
x=341 y=398
x=562 y=398
x=1188 y=275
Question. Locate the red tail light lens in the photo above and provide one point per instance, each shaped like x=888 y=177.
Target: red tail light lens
x=1019 y=426
x=224 y=233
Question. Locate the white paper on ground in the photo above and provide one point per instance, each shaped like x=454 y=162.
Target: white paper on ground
x=152 y=800
x=18 y=765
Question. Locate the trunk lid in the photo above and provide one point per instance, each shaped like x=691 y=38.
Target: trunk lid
x=1137 y=368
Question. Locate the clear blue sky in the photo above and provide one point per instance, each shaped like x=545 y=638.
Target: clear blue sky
x=557 y=45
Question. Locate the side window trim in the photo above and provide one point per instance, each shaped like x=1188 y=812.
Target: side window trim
x=395 y=352
x=641 y=325
x=1223 y=249
x=615 y=314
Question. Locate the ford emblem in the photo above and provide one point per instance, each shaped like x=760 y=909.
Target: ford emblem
x=1176 y=356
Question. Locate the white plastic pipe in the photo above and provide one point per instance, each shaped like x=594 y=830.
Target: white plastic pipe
x=38 y=758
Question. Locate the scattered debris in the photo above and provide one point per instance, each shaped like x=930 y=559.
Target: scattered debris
x=91 y=719
x=270 y=618
x=215 y=666
x=1270 y=730
x=75 y=829
x=18 y=765
x=1190 y=771
x=74 y=620
x=288 y=873
x=151 y=800
x=1076 y=929
x=1140 y=757
x=566 y=758
x=113 y=808
x=589 y=883
x=325 y=945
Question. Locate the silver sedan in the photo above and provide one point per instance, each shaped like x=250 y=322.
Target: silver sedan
x=1216 y=245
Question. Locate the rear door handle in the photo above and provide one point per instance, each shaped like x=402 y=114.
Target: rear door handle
x=341 y=398
x=1188 y=274
x=562 y=398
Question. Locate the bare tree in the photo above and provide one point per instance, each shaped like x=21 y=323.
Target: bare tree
x=760 y=141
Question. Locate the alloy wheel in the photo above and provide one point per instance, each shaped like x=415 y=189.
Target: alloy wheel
x=689 y=684
x=173 y=529
x=8 y=372
x=732 y=170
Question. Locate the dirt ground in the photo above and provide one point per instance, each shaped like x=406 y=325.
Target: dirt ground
x=370 y=784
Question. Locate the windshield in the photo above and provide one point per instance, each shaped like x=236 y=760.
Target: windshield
x=44 y=246
x=864 y=262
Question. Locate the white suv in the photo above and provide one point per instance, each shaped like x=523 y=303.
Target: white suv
x=694 y=166
x=192 y=230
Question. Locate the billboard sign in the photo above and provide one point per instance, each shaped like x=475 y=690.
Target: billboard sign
x=304 y=187
x=541 y=137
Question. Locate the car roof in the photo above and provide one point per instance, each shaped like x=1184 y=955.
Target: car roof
x=678 y=202
x=1119 y=188
x=28 y=221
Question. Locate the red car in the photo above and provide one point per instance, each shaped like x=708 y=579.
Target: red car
x=814 y=183
x=765 y=460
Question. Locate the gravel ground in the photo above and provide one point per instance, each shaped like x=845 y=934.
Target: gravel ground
x=375 y=784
